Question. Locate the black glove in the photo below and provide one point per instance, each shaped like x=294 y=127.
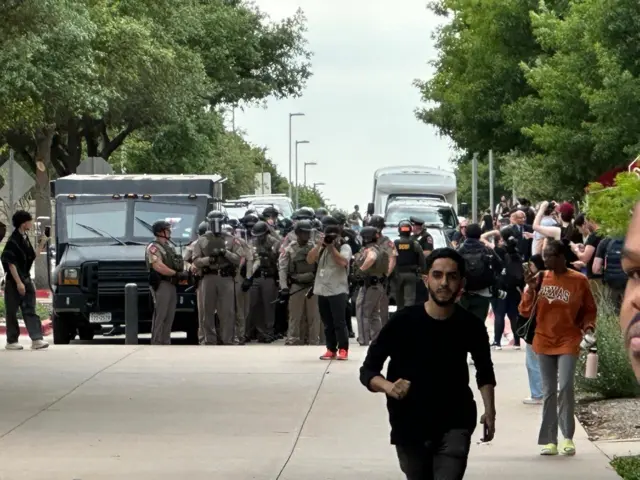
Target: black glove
x=182 y=275
x=246 y=284
x=283 y=295
x=222 y=252
x=243 y=270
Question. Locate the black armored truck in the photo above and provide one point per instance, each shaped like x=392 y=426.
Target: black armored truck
x=103 y=225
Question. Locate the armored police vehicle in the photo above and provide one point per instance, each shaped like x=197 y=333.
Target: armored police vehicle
x=102 y=229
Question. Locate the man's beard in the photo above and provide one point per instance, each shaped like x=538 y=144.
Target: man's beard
x=441 y=303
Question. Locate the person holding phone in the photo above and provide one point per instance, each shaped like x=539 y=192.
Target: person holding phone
x=17 y=259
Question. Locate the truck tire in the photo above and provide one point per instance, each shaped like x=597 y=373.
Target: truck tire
x=63 y=329
x=86 y=333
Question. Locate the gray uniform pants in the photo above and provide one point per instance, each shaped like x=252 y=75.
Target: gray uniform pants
x=27 y=304
x=217 y=296
x=559 y=405
x=367 y=302
x=242 y=310
x=382 y=311
x=164 y=310
x=405 y=289
x=304 y=317
x=262 y=293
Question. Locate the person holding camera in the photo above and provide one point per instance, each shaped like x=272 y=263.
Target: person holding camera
x=331 y=285
x=19 y=292
x=482 y=268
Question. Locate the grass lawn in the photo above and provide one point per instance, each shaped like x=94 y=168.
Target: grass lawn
x=627 y=467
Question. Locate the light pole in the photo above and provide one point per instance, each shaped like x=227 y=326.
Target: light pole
x=298 y=142
x=291 y=115
x=305 y=171
x=315 y=185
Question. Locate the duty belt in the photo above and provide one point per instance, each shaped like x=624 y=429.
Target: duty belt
x=223 y=272
x=265 y=274
x=372 y=281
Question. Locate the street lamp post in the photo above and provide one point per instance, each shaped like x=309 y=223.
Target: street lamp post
x=298 y=142
x=305 y=171
x=317 y=184
x=291 y=115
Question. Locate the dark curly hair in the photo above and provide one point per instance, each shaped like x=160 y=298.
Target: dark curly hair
x=20 y=218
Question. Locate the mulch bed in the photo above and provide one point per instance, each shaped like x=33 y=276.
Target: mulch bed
x=610 y=419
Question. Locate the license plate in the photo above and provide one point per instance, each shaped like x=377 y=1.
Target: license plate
x=100 y=317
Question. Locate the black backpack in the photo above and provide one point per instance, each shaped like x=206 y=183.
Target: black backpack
x=614 y=275
x=512 y=276
x=479 y=273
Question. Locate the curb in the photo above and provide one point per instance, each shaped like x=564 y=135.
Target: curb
x=47 y=328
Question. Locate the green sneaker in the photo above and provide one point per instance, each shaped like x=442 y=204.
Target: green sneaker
x=549 y=449
x=568 y=448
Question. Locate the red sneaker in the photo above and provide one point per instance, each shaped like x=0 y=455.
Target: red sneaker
x=328 y=355
x=343 y=354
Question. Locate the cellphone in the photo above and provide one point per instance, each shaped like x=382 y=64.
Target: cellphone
x=485 y=432
x=47 y=231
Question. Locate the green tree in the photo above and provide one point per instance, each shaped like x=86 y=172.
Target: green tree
x=310 y=197
x=611 y=208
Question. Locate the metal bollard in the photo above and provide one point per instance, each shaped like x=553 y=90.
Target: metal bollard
x=131 y=313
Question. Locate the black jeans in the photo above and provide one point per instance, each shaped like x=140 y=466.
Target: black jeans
x=27 y=304
x=333 y=311
x=503 y=308
x=442 y=458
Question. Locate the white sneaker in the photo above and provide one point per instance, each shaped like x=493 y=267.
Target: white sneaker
x=14 y=346
x=532 y=401
x=39 y=345
x=516 y=347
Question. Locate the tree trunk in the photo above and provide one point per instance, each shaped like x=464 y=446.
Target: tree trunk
x=44 y=138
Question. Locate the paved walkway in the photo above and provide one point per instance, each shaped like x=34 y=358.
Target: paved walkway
x=98 y=412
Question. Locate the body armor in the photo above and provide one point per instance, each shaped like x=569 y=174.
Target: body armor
x=268 y=259
x=377 y=271
x=408 y=259
x=209 y=244
x=170 y=258
x=300 y=271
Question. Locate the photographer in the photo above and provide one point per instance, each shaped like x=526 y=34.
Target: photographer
x=510 y=281
x=332 y=288
x=482 y=268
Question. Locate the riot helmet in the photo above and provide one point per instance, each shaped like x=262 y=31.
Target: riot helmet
x=317 y=224
x=405 y=228
x=216 y=218
x=251 y=211
x=321 y=212
x=249 y=221
x=233 y=222
x=369 y=235
x=260 y=229
x=306 y=213
x=161 y=226
x=376 y=221
x=329 y=220
x=202 y=228
x=339 y=216
x=303 y=230
x=285 y=225
x=270 y=212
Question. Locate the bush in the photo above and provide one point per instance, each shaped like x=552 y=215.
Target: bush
x=627 y=467
x=615 y=377
x=41 y=310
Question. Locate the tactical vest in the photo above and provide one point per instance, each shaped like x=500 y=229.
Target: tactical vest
x=268 y=259
x=167 y=255
x=300 y=271
x=209 y=243
x=408 y=258
x=379 y=267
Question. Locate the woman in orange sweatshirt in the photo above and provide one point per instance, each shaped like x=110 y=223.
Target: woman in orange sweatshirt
x=565 y=311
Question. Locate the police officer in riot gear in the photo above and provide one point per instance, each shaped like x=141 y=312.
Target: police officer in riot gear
x=321 y=212
x=241 y=297
x=389 y=248
x=410 y=264
x=371 y=264
x=285 y=225
x=217 y=256
x=166 y=269
x=270 y=215
x=306 y=213
x=296 y=286
x=262 y=280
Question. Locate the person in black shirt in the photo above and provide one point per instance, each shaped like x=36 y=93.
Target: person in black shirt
x=587 y=253
x=17 y=259
x=431 y=407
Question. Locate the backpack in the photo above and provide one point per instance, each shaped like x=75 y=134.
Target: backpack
x=614 y=275
x=512 y=276
x=479 y=273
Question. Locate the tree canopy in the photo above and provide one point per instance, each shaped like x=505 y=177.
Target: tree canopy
x=551 y=86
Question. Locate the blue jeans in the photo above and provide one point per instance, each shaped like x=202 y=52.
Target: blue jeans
x=533 y=372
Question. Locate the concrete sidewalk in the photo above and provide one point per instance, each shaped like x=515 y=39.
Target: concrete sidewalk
x=98 y=412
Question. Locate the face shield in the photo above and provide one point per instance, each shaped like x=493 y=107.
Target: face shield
x=215 y=224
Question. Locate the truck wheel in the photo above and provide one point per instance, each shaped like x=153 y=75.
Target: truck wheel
x=63 y=329
x=86 y=333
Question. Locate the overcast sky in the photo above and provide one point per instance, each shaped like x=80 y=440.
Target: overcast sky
x=359 y=104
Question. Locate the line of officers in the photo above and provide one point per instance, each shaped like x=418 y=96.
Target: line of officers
x=254 y=283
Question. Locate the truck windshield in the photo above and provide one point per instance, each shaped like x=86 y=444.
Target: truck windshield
x=181 y=217
x=107 y=216
x=397 y=213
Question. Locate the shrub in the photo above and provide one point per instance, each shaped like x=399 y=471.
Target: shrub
x=615 y=377
x=627 y=467
x=41 y=310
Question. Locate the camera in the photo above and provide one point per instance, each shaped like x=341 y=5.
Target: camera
x=329 y=238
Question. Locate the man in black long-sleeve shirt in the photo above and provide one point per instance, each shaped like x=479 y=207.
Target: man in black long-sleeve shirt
x=431 y=407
